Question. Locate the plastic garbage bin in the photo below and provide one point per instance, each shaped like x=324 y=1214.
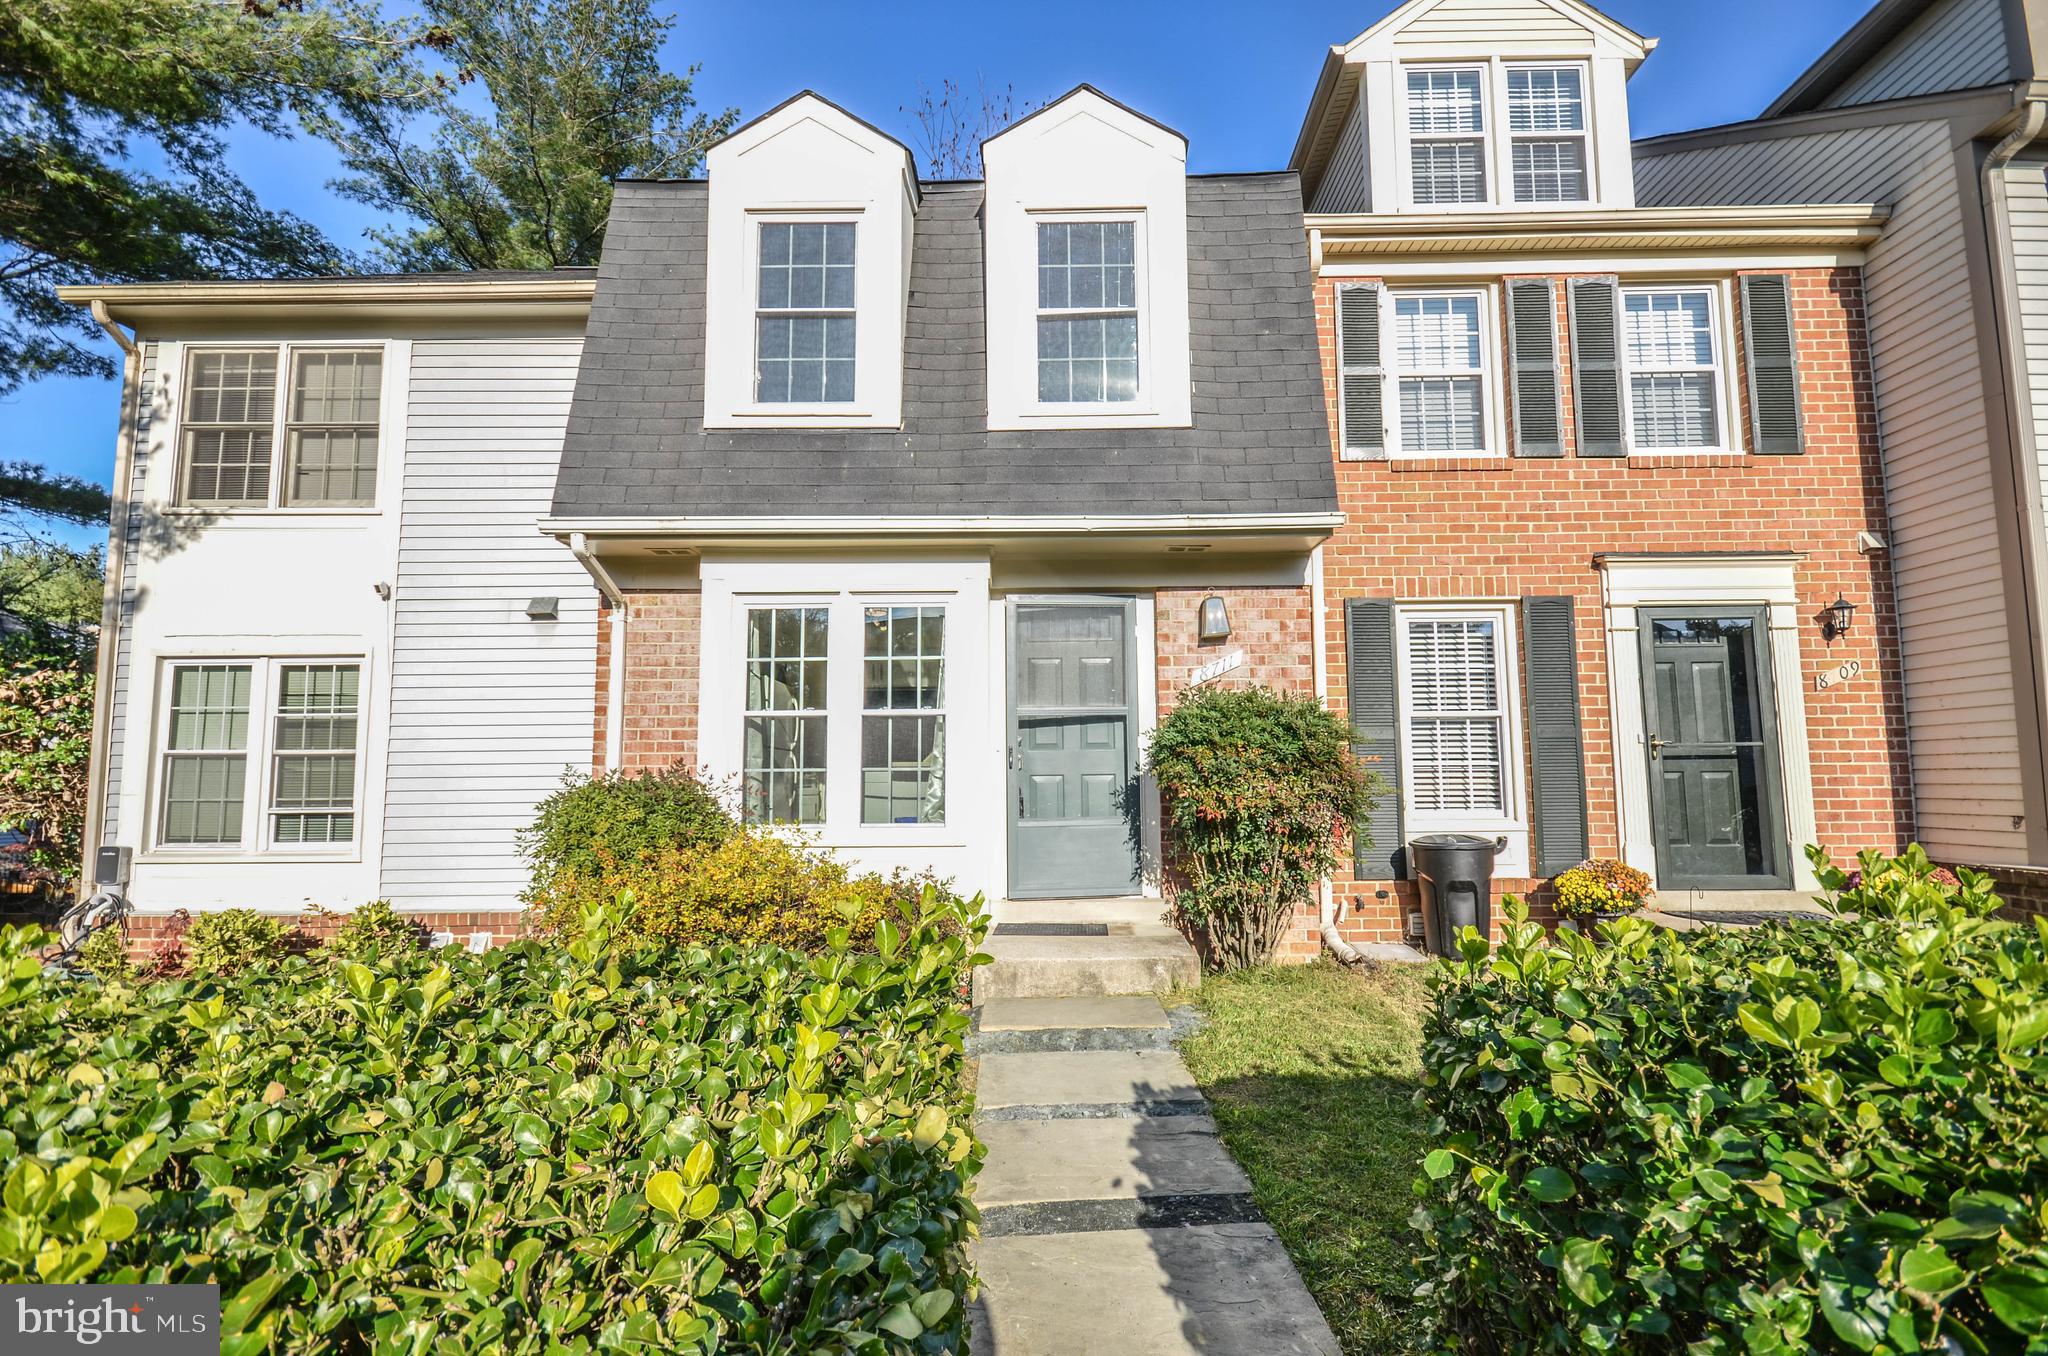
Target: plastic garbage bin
x=1454 y=873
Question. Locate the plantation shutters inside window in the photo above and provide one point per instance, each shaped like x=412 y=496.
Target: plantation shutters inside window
x=1557 y=794
x=1452 y=675
x=1532 y=347
x=1361 y=374
x=1376 y=730
x=1773 y=364
x=1596 y=367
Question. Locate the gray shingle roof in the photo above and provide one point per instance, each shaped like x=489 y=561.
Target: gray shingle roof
x=1260 y=444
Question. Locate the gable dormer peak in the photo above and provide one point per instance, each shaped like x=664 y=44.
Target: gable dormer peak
x=1082 y=99
x=1476 y=22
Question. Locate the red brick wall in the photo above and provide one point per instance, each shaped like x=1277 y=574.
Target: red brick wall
x=1273 y=626
x=662 y=646
x=147 y=932
x=1501 y=528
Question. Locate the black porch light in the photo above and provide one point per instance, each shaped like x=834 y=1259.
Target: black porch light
x=1836 y=616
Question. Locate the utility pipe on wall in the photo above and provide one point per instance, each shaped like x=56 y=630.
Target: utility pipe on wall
x=110 y=597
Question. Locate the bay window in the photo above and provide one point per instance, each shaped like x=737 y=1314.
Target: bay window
x=1671 y=356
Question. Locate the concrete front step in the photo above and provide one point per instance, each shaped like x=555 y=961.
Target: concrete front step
x=1085 y=1084
x=1032 y=1162
x=1020 y=1025
x=1148 y=958
x=1218 y=1288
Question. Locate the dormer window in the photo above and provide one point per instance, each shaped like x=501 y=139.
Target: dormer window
x=1447 y=134
x=1087 y=312
x=804 y=320
x=1547 y=133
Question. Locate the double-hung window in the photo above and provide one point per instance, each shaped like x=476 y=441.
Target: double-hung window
x=326 y=422
x=804 y=313
x=1439 y=372
x=1447 y=134
x=1087 y=312
x=1547 y=133
x=1455 y=704
x=903 y=717
x=1671 y=352
x=783 y=770
x=218 y=758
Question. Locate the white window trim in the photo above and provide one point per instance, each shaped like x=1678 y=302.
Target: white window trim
x=1144 y=403
x=1719 y=315
x=389 y=428
x=260 y=751
x=798 y=412
x=1584 y=134
x=1497 y=140
x=1513 y=819
x=1491 y=415
x=844 y=709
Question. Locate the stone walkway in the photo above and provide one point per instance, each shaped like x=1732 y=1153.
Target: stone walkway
x=1113 y=1220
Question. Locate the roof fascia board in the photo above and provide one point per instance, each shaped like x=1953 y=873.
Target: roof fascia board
x=1318 y=109
x=1981 y=105
x=1085 y=88
x=1847 y=55
x=1005 y=525
x=300 y=294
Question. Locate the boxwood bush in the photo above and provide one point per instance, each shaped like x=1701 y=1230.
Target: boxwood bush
x=1820 y=1136
x=595 y=1145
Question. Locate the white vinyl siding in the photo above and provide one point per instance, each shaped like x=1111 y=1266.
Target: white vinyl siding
x=1957 y=44
x=1345 y=185
x=488 y=707
x=1458 y=727
x=1439 y=374
x=1943 y=502
x=131 y=531
x=1486 y=26
x=1670 y=354
x=2026 y=199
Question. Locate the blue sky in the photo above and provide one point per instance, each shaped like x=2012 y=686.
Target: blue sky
x=1235 y=78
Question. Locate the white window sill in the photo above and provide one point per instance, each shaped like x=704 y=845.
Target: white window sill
x=1476 y=454
x=1118 y=415
x=800 y=416
x=164 y=856
x=1684 y=452
x=289 y=511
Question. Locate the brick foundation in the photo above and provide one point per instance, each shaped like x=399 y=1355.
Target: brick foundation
x=147 y=932
x=2024 y=890
x=1502 y=528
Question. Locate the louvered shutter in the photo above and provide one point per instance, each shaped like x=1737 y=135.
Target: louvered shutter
x=1557 y=793
x=1361 y=376
x=1376 y=731
x=1532 y=348
x=1773 y=364
x=1596 y=366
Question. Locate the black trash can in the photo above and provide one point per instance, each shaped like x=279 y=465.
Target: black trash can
x=1454 y=874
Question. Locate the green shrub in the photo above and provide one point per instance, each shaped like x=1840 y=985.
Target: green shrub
x=378 y=928
x=546 y=1148
x=1816 y=1136
x=1259 y=796
x=232 y=940
x=755 y=886
x=593 y=824
x=105 y=954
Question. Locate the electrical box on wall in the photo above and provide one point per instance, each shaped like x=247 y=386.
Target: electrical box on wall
x=111 y=865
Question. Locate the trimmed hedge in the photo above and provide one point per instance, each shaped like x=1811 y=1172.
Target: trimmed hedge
x=1819 y=1136
x=596 y=1145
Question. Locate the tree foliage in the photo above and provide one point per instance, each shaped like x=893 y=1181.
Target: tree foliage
x=93 y=90
x=553 y=101
x=45 y=745
x=49 y=603
x=952 y=123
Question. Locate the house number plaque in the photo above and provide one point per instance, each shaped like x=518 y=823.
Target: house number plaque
x=1841 y=673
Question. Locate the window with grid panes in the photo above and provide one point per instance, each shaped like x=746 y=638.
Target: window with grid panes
x=1447 y=135
x=205 y=758
x=1547 y=133
x=1669 y=352
x=783 y=750
x=313 y=756
x=1439 y=370
x=903 y=718
x=1452 y=680
x=1087 y=312
x=331 y=427
x=804 y=317
x=228 y=426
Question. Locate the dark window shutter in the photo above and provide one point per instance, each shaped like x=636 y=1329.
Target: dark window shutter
x=1532 y=348
x=1376 y=729
x=1557 y=795
x=1773 y=363
x=1596 y=366
x=1360 y=374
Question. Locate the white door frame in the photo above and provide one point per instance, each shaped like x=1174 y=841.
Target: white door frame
x=1763 y=580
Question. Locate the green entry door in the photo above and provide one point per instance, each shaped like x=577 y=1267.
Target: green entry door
x=1712 y=735
x=1073 y=758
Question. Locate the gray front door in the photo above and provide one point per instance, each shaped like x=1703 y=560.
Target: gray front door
x=1713 y=739
x=1073 y=756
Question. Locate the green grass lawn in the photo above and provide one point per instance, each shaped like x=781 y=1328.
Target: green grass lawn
x=1312 y=1071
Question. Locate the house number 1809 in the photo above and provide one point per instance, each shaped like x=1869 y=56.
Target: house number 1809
x=1840 y=674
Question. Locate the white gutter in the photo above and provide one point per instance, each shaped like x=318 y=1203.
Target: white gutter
x=110 y=598
x=1037 y=525
x=615 y=676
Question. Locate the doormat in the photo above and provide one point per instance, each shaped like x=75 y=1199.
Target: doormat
x=1052 y=929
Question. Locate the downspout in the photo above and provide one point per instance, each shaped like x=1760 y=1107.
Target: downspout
x=1329 y=912
x=615 y=677
x=2012 y=341
x=110 y=597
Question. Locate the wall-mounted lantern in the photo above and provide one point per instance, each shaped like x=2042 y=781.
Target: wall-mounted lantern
x=1836 y=617
x=1214 y=623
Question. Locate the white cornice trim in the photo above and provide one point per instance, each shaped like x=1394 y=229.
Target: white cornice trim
x=1820 y=224
x=1036 y=525
x=126 y=298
